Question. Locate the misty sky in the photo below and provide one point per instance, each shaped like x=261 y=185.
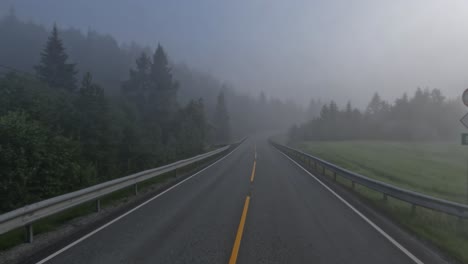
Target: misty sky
x=329 y=49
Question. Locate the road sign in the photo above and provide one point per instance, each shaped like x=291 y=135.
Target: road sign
x=465 y=97
x=464 y=138
x=464 y=120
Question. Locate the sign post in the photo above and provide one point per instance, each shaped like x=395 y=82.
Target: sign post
x=464 y=136
x=464 y=139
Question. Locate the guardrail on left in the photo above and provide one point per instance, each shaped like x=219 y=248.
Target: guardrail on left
x=27 y=215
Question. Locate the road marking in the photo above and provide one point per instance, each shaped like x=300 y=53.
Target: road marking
x=127 y=213
x=240 y=231
x=255 y=151
x=253 y=171
x=375 y=226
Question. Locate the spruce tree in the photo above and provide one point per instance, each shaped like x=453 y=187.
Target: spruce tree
x=136 y=88
x=163 y=93
x=53 y=68
x=164 y=86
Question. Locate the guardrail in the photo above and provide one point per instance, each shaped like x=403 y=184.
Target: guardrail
x=413 y=198
x=27 y=215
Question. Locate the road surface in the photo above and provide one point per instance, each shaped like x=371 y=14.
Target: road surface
x=234 y=213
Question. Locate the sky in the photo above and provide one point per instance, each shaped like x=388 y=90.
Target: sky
x=298 y=49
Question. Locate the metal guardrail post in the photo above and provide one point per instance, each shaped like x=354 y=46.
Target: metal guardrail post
x=384 y=197
x=413 y=209
x=29 y=233
x=98 y=205
x=353 y=185
x=334 y=175
x=135 y=188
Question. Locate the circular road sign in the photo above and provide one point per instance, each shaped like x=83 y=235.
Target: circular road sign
x=465 y=97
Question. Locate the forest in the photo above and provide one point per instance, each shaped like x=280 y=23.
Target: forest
x=78 y=109
x=109 y=62
x=427 y=115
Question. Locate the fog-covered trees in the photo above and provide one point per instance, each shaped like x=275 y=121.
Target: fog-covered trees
x=163 y=92
x=313 y=109
x=55 y=138
x=163 y=129
x=425 y=116
x=191 y=129
x=53 y=68
x=37 y=159
x=221 y=121
x=58 y=135
x=92 y=122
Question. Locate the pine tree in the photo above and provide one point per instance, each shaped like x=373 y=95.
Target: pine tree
x=53 y=68
x=163 y=93
x=375 y=105
x=136 y=88
x=325 y=113
x=164 y=86
x=221 y=121
x=349 y=110
x=334 y=111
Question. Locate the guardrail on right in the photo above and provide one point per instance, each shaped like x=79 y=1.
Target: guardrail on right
x=411 y=197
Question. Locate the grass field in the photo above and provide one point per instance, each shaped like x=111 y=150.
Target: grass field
x=438 y=169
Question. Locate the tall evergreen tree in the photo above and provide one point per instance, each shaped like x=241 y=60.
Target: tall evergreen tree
x=349 y=110
x=136 y=88
x=53 y=68
x=325 y=112
x=163 y=93
x=221 y=121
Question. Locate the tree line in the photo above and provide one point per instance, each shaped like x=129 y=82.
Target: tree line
x=427 y=115
x=60 y=132
x=109 y=62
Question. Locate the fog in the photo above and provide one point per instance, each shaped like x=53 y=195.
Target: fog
x=92 y=91
x=336 y=49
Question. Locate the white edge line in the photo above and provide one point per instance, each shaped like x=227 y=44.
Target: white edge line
x=127 y=213
x=375 y=226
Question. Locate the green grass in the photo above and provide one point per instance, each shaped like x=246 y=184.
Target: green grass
x=437 y=169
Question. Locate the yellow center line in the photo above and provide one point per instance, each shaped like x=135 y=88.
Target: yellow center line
x=253 y=171
x=240 y=231
x=255 y=151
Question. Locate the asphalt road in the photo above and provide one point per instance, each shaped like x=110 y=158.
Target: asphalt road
x=289 y=218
